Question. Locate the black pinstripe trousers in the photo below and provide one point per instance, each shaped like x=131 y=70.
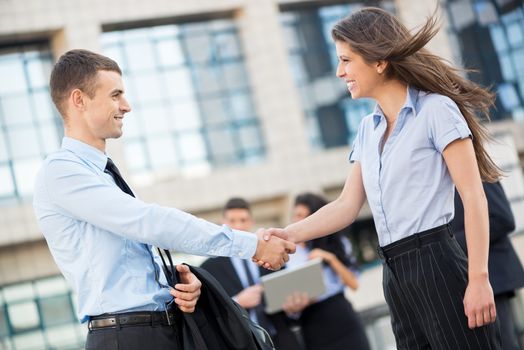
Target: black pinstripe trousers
x=424 y=281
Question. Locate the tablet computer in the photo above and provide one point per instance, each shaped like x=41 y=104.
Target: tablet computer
x=279 y=285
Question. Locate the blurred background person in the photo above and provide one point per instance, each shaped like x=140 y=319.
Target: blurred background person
x=240 y=278
x=329 y=322
x=505 y=270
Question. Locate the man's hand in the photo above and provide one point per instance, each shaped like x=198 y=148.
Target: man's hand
x=479 y=305
x=272 y=253
x=186 y=293
x=249 y=297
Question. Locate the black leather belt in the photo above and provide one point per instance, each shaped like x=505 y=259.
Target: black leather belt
x=414 y=241
x=140 y=318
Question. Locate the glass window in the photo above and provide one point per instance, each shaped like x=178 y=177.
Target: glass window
x=18 y=292
x=135 y=155
x=227 y=45
x=56 y=310
x=493 y=45
x=7 y=187
x=185 y=116
x=215 y=112
x=178 y=83
x=188 y=86
x=13 y=75
x=29 y=340
x=29 y=124
x=170 y=53
x=64 y=337
x=241 y=106
x=16 y=110
x=23 y=316
x=249 y=137
x=39 y=315
x=162 y=152
x=222 y=139
x=23 y=168
x=235 y=75
x=3 y=149
x=38 y=71
x=508 y=96
x=23 y=142
x=3 y=322
x=51 y=286
x=461 y=13
x=486 y=12
x=200 y=49
x=44 y=105
x=312 y=57
x=192 y=146
x=145 y=61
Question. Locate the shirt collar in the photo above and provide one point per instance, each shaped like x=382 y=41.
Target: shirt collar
x=410 y=103
x=85 y=151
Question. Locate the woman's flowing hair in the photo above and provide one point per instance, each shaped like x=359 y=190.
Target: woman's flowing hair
x=377 y=35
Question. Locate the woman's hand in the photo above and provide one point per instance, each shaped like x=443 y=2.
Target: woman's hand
x=323 y=254
x=296 y=303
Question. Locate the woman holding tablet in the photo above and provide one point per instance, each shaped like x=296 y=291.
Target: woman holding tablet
x=329 y=322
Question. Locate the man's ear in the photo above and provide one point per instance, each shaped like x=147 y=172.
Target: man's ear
x=78 y=99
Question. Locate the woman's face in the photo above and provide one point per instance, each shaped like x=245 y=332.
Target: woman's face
x=361 y=77
x=300 y=212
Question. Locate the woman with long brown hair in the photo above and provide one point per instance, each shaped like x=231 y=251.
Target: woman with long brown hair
x=422 y=140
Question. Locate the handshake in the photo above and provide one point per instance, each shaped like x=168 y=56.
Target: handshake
x=273 y=248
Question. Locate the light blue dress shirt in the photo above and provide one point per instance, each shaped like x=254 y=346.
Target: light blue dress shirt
x=408 y=185
x=101 y=237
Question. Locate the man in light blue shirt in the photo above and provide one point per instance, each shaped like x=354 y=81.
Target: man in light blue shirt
x=101 y=237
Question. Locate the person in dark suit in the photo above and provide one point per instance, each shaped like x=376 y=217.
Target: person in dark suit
x=505 y=270
x=240 y=280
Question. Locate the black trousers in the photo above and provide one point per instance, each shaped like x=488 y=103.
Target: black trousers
x=425 y=278
x=332 y=324
x=133 y=338
x=507 y=325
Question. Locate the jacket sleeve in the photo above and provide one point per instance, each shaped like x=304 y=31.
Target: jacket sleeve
x=501 y=219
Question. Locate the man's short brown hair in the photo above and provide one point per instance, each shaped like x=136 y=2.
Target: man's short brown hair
x=77 y=69
x=237 y=203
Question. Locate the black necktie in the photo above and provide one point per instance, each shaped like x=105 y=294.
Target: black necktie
x=250 y=279
x=259 y=309
x=119 y=180
x=112 y=170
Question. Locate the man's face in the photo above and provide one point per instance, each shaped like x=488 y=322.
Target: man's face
x=104 y=112
x=238 y=219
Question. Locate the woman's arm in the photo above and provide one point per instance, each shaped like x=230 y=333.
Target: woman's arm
x=332 y=217
x=345 y=274
x=479 y=305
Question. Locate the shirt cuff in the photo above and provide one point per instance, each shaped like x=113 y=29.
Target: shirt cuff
x=244 y=243
x=460 y=131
